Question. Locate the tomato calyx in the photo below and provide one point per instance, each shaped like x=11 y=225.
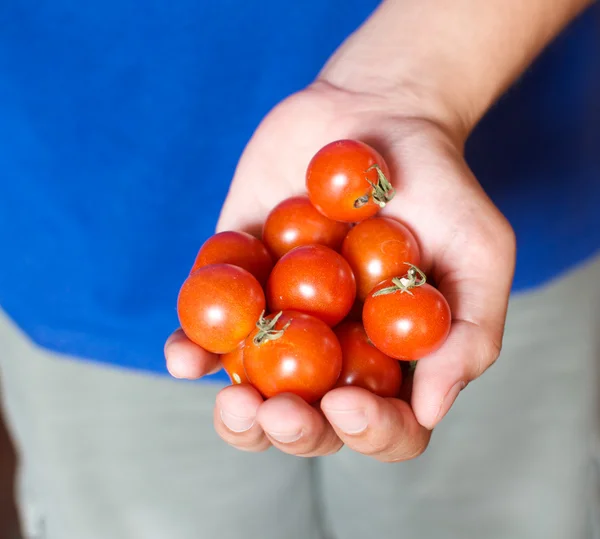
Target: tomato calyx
x=266 y=329
x=382 y=191
x=413 y=279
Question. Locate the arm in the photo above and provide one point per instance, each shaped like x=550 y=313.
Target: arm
x=415 y=79
x=453 y=59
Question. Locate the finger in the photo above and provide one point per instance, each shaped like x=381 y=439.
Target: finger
x=385 y=429
x=471 y=248
x=477 y=285
x=297 y=428
x=234 y=418
x=186 y=359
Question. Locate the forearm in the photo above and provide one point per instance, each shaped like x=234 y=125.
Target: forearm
x=452 y=58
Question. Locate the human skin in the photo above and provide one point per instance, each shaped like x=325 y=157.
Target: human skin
x=413 y=81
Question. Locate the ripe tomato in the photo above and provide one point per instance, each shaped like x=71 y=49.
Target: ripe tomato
x=293 y=352
x=239 y=249
x=233 y=364
x=406 y=318
x=314 y=280
x=295 y=222
x=378 y=249
x=347 y=180
x=365 y=366
x=218 y=306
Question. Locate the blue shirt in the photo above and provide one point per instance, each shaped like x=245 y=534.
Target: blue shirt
x=113 y=116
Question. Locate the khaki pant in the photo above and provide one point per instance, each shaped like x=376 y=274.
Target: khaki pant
x=112 y=454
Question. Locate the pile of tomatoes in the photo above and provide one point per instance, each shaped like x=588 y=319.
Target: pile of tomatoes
x=331 y=296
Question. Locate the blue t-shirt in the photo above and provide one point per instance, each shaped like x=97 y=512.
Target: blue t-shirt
x=115 y=115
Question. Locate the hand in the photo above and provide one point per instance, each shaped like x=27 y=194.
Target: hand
x=468 y=249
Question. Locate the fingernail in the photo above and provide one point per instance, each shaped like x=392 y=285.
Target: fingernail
x=236 y=423
x=177 y=367
x=348 y=421
x=449 y=399
x=285 y=437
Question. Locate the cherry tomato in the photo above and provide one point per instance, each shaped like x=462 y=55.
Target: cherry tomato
x=378 y=249
x=295 y=222
x=406 y=318
x=239 y=249
x=293 y=352
x=233 y=364
x=314 y=280
x=218 y=306
x=348 y=181
x=365 y=366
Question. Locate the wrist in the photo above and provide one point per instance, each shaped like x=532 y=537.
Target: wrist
x=445 y=62
x=408 y=77
x=404 y=93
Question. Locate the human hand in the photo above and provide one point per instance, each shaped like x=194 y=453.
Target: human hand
x=467 y=247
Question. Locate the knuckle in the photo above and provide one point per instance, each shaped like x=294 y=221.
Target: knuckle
x=492 y=234
x=492 y=353
x=252 y=439
x=418 y=450
x=322 y=451
x=412 y=454
x=325 y=444
x=245 y=441
x=379 y=444
x=488 y=354
x=403 y=452
x=252 y=448
x=505 y=237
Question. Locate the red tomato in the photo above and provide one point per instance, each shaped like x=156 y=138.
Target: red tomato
x=239 y=249
x=347 y=180
x=233 y=364
x=365 y=366
x=378 y=249
x=218 y=306
x=293 y=353
x=295 y=222
x=314 y=280
x=406 y=318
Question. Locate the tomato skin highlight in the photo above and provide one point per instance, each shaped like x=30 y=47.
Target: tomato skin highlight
x=338 y=176
x=218 y=306
x=305 y=360
x=315 y=280
x=377 y=249
x=233 y=365
x=407 y=325
x=296 y=222
x=363 y=365
x=239 y=249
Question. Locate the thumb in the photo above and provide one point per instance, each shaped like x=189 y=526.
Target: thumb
x=477 y=286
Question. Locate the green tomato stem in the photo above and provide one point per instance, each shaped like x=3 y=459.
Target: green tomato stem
x=413 y=279
x=266 y=329
x=383 y=191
